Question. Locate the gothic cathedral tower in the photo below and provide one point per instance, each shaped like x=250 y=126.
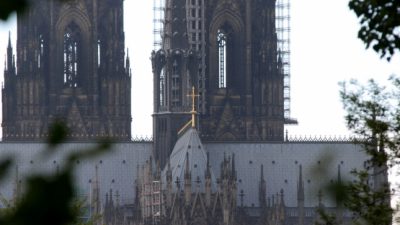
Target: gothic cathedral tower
x=227 y=49
x=71 y=65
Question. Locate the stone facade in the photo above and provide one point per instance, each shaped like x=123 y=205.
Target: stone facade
x=187 y=191
x=258 y=183
x=71 y=66
x=227 y=49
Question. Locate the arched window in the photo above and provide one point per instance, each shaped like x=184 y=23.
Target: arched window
x=162 y=88
x=41 y=44
x=176 y=83
x=222 y=41
x=98 y=53
x=41 y=50
x=71 y=55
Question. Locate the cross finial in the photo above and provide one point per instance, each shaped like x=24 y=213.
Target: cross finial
x=178 y=182
x=241 y=197
x=193 y=112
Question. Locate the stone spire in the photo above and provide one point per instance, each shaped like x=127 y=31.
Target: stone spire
x=10 y=59
x=262 y=189
x=339 y=183
x=282 y=213
x=128 y=63
x=169 y=185
x=300 y=196
x=320 y=199
x=96 y=205
x=9 y=53
x=208 y=182
x=339 y=209
x=188 y=181
x=234 y=176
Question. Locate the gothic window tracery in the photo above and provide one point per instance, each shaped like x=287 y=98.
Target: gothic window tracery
x=71 y=55
x=222 y=43
x=175 y=84
x=162 y=87
x=98 y=53
x=41 y=50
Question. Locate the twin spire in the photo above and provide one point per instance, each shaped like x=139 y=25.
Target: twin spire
x=9 y=63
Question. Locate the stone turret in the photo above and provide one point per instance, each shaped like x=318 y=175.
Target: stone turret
x=262 y=190
x=207 y=182
x=188 y=181
x=300 y=197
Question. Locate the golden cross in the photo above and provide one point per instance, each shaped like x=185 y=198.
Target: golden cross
x=193 y=112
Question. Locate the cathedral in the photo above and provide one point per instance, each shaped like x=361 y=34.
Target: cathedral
x=228 y=51
x=71 y=65
x=218 y=155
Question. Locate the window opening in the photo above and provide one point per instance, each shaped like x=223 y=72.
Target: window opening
x=41 y=42
x=41 y=50
x=71 y=55
x=162 y=88
x=98 y=53
x=175 y=84
x=221 y=40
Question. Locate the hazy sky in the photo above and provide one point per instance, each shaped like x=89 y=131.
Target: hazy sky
x=325 y=50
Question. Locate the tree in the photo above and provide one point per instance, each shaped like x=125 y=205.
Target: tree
x=7 y=7
x=380 y=24
x=50 y=199
x=373 y=114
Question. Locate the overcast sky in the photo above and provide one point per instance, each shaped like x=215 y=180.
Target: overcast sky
x=325 y=50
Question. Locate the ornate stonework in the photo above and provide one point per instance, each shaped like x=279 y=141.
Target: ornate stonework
x=228 y=50
x=71 y=66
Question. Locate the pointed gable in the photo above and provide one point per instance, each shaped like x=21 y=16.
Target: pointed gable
x=198 y=208
x=190 y=144
x=75 y=121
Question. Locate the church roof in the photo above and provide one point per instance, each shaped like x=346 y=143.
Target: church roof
x=281 y=162
x=118 y=168
x=189 y=151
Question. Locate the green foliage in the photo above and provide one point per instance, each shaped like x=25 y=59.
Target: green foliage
x=7 y=7
x=4 y=166
x=57 y=133
x=380 y=24
x=371 y=206
x=78 y=207
x=373 y=113
x=50 y=199
x=46 y=201
x=326 y=218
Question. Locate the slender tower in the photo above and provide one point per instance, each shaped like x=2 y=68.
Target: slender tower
x=227 y=49
x=300 y=197
x=175 y=73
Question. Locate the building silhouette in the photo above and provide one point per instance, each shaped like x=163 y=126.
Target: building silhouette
x=219 y=154
x=71 y=65
x=228 y=51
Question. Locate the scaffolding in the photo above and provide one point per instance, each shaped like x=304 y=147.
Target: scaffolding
x=158 y=23
x=282 y=22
